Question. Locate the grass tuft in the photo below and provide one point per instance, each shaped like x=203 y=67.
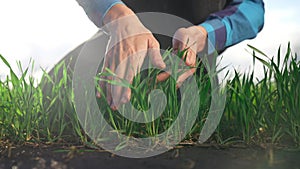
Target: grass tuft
x=267 y=111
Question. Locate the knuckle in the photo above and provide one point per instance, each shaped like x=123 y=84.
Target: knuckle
x=153 y=42
x=130 y=49
x=189 y=64
x=192 y=71
x=181 y=30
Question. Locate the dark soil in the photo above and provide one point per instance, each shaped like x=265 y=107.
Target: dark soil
x=186 y=157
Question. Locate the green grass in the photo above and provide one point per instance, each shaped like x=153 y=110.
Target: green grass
x=142 y=85
x=267 y=111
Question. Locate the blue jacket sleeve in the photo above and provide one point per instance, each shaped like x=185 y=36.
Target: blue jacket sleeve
x=240 y=20
x=97 y=9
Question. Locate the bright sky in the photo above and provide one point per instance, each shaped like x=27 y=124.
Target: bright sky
x=47 y=30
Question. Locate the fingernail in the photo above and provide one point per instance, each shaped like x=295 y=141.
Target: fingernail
x=178 y=85
x=98 y=95
x=162 y=65
x=188 y=61
x=113 y=107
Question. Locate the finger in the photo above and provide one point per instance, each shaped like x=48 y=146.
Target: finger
x=180 y=46
x=190 y=58
x=110 y=64
x=119 y=94
x=184 y=76
x=154 y=53
x=126 y=70
x=116 y=91
x=176 y=43
x=163 y=76
x=126 y=95
x=180 y=41
x=98 y=95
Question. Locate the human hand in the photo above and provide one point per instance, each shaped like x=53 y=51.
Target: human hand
x=130 y=43
x=193 y=40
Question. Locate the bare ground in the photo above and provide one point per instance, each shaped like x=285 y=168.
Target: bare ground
x=184 y=157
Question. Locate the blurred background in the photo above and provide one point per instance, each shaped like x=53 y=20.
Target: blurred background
x=47 y=30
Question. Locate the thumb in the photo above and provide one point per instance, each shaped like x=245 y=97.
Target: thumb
x=155 y=56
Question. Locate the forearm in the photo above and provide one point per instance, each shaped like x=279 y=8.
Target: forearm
x=240 y=20
x=96 y=10
x=117 y=11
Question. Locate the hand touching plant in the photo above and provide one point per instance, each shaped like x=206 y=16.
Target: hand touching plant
x=130 y=43
x=192 y=40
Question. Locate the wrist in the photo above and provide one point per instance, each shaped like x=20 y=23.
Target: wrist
x=117 y=11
